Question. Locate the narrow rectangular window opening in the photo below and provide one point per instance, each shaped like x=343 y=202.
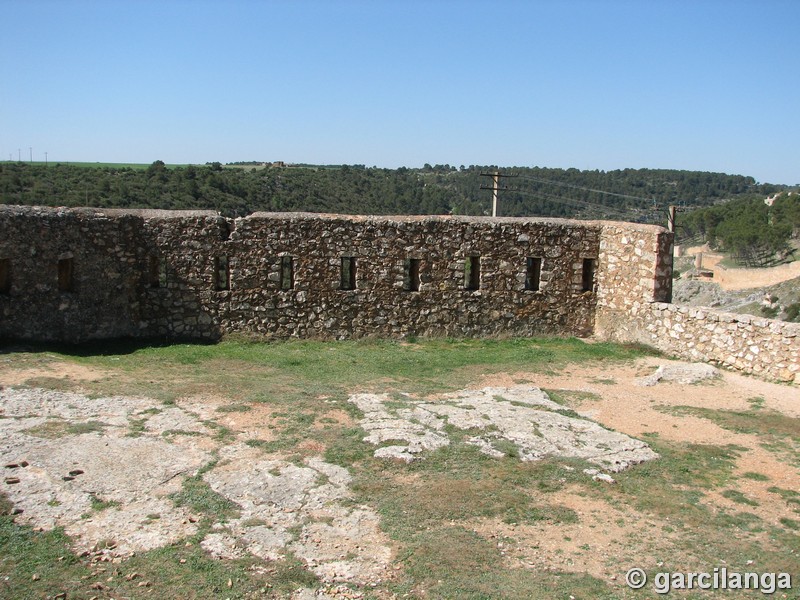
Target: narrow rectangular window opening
x=411 y=283
x=5 y=275
x=222 y=273
x=158 y=272
x=588 y=274
x=66 y=272
x=348 y=280
x=287 y=273
x=472 y=273
x=533 y=274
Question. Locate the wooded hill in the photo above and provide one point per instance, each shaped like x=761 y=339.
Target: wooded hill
x=235 y=190
x=751 y=231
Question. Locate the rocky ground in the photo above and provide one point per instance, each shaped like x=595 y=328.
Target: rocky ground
x=773 y=301
x=110 y=470
x=66 y=454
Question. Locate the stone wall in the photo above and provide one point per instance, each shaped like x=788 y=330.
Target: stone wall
x=102 y=254
x=194 y=274
x=79 y=274
x=634 y=290
x=381 y=303
x=635 y=268
x=764 y=347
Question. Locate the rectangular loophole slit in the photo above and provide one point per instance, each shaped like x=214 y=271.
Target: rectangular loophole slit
x=5 y=275
x=222 y=273
x=287 y=273
x=411 y=283
x=158 y=272
x=472 y=273
x=348 y=273
x=587 y=277
x=66 y=274
x=533 y=273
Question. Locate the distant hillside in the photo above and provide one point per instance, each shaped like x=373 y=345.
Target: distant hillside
x=752 y=231
x=630 y=194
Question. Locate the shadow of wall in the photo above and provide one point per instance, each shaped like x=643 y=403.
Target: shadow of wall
x=83 y=274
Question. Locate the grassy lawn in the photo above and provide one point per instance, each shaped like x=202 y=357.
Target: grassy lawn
x=430 y=509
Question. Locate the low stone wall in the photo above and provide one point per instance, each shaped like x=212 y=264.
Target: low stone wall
x=745 y=279
x=764 y=347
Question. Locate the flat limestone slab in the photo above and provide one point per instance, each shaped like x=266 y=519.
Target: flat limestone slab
x=524 y=416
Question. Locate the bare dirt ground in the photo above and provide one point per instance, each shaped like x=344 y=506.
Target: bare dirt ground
x=105 y=469
x=615 y=398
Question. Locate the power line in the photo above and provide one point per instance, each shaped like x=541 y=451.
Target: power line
x=600 y=208
x=578 y=187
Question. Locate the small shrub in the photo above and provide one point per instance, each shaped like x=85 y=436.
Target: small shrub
x=792 y=312
x=769 y=312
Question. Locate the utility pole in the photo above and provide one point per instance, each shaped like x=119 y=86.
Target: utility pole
x=672 y=214
x=31 y=149
x=495 y=187
x=45 y=159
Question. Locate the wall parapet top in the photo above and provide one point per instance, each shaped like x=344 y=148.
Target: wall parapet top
x=152 y=213
x=88 y=211
x=785 y=328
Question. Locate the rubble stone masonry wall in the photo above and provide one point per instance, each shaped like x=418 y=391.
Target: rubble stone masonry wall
x=79 y=274
x=764 y=347
x=640 y=312
x=72 y=275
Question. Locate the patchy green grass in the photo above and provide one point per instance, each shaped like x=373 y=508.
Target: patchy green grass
x=199 y=497
x=791 y=497
x=441 y=556
x=229 y=408
x=51 y=383
x=37 y=564
x=288 y=372
x=755 y=476
x=758 y=421
x=136 y=427
x=790 y=523
x=673 y=486
x=738 y=497
x=99 y=504
x=778 y=433
x=56 y=427
x=570 y=398
x=40 y=564
x=430 y=508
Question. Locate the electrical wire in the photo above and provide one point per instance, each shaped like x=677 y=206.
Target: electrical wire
x=578 y=203
x=578 y=187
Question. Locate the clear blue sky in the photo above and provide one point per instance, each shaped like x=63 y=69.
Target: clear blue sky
x=711 y=85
